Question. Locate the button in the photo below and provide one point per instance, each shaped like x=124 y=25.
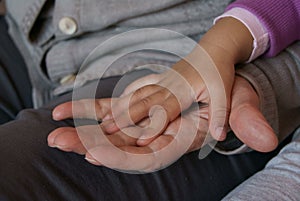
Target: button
x=67 y=79
x=67 y=25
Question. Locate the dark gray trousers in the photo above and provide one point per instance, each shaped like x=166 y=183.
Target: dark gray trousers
x=15 y=88
x=30 y=170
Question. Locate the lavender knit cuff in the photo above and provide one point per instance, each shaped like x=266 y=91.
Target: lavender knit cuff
x=258 y=32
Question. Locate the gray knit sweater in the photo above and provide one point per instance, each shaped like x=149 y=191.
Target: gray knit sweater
x=56 y=36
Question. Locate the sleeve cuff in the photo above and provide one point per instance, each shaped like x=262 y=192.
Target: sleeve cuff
x=258 y=32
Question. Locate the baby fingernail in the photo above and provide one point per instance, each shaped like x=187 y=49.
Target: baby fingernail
x=106 y=117
x=220 y=133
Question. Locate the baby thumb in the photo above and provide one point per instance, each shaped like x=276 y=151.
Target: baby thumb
x=219 y=122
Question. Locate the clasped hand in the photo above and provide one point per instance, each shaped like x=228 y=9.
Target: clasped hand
x=138 y=151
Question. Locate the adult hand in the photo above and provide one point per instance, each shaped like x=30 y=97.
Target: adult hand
x=120 y=150
x=246 y=121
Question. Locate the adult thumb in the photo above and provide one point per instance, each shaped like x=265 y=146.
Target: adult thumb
x=247 y=121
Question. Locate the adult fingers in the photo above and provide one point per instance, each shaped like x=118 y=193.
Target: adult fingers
x=181 y=135
x=133 y=159
x=139 y=83
x=80 y=139
x=66 y=139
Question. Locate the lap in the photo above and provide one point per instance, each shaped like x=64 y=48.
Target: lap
x=30 y=170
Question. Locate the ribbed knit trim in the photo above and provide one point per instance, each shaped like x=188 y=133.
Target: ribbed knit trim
x=258 y=32
x=280 y=18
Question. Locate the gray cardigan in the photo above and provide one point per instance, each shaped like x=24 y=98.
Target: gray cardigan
x=55 y=38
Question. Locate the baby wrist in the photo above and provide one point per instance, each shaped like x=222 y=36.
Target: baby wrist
x=257 y=30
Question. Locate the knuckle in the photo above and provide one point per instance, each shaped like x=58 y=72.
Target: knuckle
x=171 y=111
x=164 y=92
x=145 y=90
x=139 y=92
x=243 y=107
x=221 y=112
x=99 y=110
x=146 y=102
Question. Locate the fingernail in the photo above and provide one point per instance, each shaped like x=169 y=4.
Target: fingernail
x=51 y=140
x=108 y=126
x=220 y=133
x=92 y=160
x=106 y=117
x=62 y=147
x=52 y=145
x=56 y=115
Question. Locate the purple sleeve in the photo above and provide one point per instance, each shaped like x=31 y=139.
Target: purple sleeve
x=281 y=18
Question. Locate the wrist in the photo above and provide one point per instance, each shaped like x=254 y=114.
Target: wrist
x=228 y=40
x=255 y=27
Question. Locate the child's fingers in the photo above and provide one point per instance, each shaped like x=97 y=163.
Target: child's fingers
x=66 y=139
x=139 y=83
x=144 y=95
x=141 y=109
x=219 y=122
